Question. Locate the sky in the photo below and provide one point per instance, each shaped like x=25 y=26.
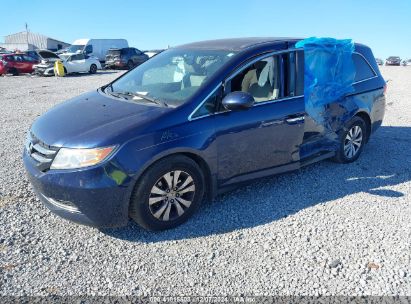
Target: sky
x=385 y=26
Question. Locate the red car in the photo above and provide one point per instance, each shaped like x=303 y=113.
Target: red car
x=16 y=64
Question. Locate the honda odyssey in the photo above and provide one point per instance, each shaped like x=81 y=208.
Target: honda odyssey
x=188 y=124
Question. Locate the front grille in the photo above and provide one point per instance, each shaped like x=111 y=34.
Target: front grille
x=42 y=153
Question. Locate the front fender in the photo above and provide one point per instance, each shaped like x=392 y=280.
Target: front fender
x=194 y=137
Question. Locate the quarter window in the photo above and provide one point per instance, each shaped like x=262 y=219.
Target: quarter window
x=209 y=106
x=363 y=69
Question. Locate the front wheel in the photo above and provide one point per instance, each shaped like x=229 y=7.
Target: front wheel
x=352 y=141
x=93 y=69
x=167 y=194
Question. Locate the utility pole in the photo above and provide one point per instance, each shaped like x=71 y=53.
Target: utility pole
x=27 y=36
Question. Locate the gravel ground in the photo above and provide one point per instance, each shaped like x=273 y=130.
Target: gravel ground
x=327 y=229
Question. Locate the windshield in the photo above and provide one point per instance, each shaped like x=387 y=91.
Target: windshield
x=171 y=77
x=113 y=52
x=74 y=48
x=64 y=56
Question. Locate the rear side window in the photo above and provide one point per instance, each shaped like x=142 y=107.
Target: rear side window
x=363 y=69
x=18 y=58
x=28 y=58
x=299 y=67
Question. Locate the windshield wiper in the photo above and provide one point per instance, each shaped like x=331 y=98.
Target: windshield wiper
x=131 y=94
x=148 y=98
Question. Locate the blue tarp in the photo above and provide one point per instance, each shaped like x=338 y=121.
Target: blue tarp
x=329 y=73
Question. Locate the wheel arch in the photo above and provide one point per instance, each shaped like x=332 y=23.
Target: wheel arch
x=210 y=183
x=366 y=117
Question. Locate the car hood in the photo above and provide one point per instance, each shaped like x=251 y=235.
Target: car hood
x=94 y=119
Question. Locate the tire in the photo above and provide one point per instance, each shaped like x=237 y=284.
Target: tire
x=350 y=149
x=130 y=64
x=93 y=69
x=167 y=209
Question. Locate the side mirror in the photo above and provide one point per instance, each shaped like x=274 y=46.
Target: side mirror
x=238 y=101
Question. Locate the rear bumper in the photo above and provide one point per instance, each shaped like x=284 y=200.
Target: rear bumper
x=115 y=64
x=91 y=197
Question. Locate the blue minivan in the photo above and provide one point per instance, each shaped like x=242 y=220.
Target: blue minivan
x=187 y=125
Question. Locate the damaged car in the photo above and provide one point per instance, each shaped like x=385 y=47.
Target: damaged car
x=197 y=120
x=46 y=65
x=80 y=63
x=124 y=58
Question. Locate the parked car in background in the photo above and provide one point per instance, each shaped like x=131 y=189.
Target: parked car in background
x=61 y=51
x=4 y=51
x=379 y=61
x=393 y=60
x=124 y=58
x=16 y=64
x=80 y=63
x=154 y=142
x=96 y=47
x=406 y=62
x=46 y=65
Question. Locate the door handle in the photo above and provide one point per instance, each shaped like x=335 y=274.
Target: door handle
x=270 y=123
x=294 y=119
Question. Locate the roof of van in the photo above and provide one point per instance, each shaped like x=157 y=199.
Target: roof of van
x=84 y=41
x=236 y=44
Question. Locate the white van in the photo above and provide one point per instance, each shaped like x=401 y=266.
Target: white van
x=96 y=47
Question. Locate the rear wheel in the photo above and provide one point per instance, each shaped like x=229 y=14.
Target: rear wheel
x=130 y=64
x=93 y=69
x=352 y=141
x=167 y=194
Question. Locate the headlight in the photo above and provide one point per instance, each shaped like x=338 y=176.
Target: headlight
x=78 y=158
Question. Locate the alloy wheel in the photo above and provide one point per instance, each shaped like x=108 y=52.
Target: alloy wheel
x=171 y=195
x=353 y=142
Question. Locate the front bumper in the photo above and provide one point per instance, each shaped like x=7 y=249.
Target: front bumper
x=97 y=196
x=44 y=70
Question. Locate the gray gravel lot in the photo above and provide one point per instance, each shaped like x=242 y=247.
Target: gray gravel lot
x=327 y=229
